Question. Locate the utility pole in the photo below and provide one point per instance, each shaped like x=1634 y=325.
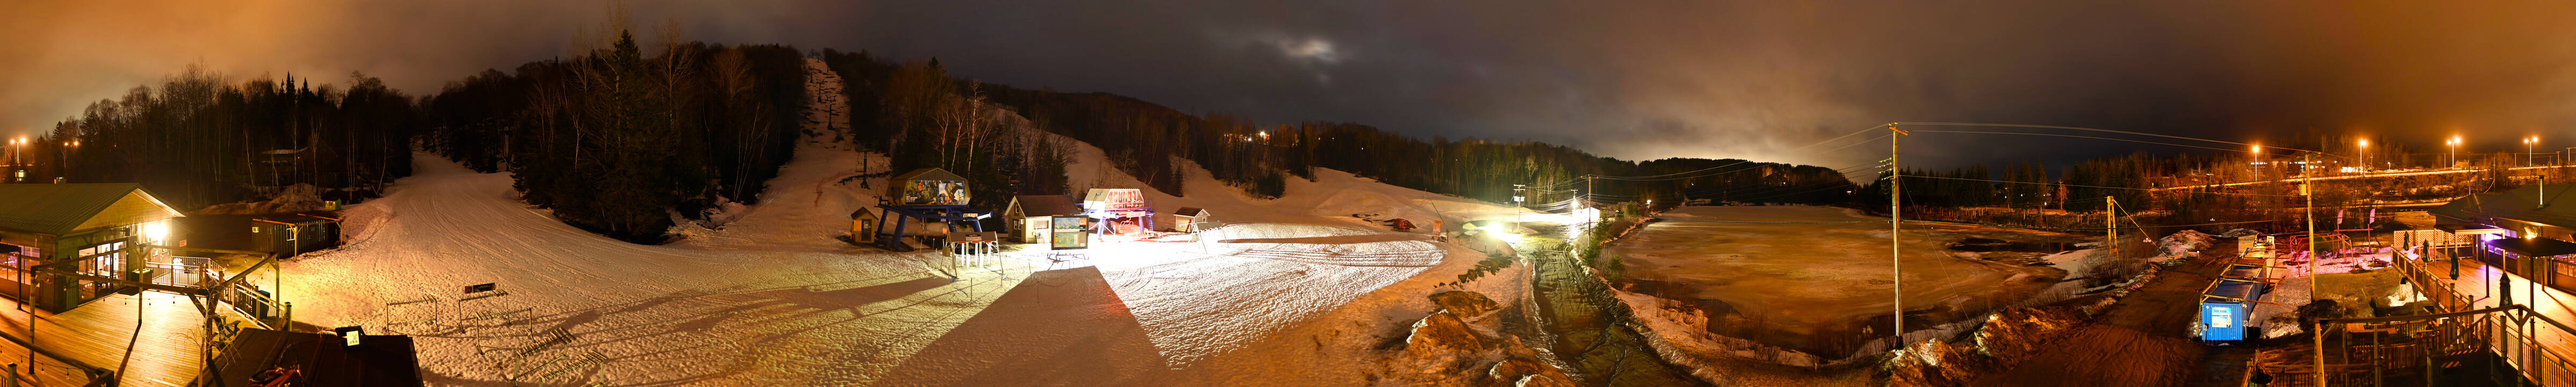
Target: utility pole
x=1517 y=191
x=2307 y=182
x=1589 y=188
x=1588 y=191
x=2111 y=225
x=1895 y=228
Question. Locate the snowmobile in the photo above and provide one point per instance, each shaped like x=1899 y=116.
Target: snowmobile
x=1399 y=224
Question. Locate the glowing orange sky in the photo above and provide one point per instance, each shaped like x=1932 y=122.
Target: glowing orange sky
x=1626 y=79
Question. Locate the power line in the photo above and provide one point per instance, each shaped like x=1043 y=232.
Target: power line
x=2068 y=135
x=2094 y=130
x=2092 y=186
x=2132 y=222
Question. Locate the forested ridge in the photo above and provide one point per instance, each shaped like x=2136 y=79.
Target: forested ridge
x=624 y=143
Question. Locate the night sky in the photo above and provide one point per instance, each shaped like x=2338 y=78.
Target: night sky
x=1629 y=79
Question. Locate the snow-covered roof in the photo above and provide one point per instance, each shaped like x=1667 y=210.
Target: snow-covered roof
x=64 y=208
x=934 y=174
x=1190 y=211
x=1045 y=205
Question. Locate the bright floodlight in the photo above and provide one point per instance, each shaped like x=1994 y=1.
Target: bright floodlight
x=156 y=230
x=2258 y=148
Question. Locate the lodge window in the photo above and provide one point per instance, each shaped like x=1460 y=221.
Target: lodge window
x=105 y=259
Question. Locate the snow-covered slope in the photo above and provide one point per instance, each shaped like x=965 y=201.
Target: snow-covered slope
x=774 y=298
x=1330 y=199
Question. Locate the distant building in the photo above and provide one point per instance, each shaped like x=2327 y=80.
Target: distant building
x=2527 y=229
x=296 y=233
x=1193 y=219
x=76 y=233
x=1031 y=218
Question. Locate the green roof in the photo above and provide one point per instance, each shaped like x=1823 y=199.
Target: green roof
x=64 y=208
x=2522 y=204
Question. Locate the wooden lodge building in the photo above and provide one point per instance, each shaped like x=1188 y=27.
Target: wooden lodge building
x=99 y=229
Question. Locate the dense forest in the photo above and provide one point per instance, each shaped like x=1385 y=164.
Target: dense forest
x=617 y=141
x=196 y=140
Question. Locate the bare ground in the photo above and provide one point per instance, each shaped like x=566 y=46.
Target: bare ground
x=2141 y=341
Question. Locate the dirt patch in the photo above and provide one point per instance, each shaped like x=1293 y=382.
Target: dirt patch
x=2139 y=341
x=1821 y=285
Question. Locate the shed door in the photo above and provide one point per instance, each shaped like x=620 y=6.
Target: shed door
x=1034 y=230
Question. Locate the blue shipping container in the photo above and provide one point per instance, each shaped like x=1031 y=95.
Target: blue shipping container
x=2224 y=311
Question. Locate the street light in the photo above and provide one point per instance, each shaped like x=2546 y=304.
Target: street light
x=2257 y=156
x=2528 y=151
x=2364 y=152
x=17 y=150
x=2454 y=157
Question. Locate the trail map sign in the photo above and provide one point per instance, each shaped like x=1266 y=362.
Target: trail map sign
x=1068 y=234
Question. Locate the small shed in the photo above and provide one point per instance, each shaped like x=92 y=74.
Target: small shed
x=927 y=187
x=1031 y=218
x=294 y=233
x=1193 y=219
x=863 y=226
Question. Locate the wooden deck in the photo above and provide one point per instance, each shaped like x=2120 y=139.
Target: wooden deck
x=169 y=351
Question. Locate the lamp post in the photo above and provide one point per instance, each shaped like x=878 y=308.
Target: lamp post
x=17 y=160
x=2452 y=158
x=2530 y=152
x=2256 y=155
x=2362 y=149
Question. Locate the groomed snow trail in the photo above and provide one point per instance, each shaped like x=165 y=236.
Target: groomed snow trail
x=773 y=298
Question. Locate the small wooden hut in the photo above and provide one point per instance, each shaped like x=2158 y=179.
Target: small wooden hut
x=1193 y=219
x=1031 y=218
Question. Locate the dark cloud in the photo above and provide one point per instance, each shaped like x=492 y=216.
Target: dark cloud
x=1643 y=79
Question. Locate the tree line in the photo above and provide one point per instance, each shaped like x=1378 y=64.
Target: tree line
x=624 y=143
x=194 y=139
x=618 y=142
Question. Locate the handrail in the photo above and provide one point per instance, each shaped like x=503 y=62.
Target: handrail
x=2421 y=316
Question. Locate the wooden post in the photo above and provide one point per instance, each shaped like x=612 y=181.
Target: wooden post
x=2307 y=182
x=2320 y=336
x=1895 y=229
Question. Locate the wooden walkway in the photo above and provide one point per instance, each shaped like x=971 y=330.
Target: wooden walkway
x=167 y=353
